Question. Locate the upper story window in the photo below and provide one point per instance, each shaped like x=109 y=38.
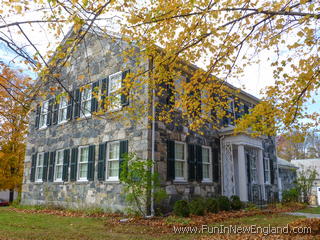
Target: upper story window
x=83 y=163
x=180 y=161
x=114 y=86
x=58 y=166
x=206 y=164
x=39 y=167
x=44 y=114
x=86 y=95
x=63 y=108
x=113 y=159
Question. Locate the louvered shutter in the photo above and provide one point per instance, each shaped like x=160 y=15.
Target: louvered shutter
x=45 y=167
x=33 y=167
x=198 y=163
x=49 y=114
x=70 y=107
x=124 y=98
x=65 y=170
x=104 y=91
x=215 y=161
x=74 y=164
x=51 y=166
x=102 y=161
x=94 y=98
x=91 y=162
x=38 y=112
x=170 y=160
x=77 y=104
x=248 y=168
x=55 y=113
x=122 y=153
x=191 y=162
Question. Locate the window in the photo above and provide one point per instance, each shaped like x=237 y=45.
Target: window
x=83 y=163
x=206 y=164
x=58 y=166
x=39 y=167
x=113 y=160
x=267 y=170
x=63 y=107
x=180 y=161
x=44 y=114
x=115 y=81
x=86 y=95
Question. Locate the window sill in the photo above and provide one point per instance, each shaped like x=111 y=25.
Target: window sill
x=58 y=181
x=42 y=128
x=113 y=180
x=38 y=181
x=82 y=180
x=206 y=181
x=180 y=181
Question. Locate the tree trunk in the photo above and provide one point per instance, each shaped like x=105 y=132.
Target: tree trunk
x=11 y=195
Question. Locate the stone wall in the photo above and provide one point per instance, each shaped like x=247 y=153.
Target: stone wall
x=103 y=56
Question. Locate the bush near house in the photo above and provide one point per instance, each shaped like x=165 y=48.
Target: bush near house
x=291 y=195
x=212 y=205
x=197 y=206
x=181 y=208
x=235 y=203
x=224 y=203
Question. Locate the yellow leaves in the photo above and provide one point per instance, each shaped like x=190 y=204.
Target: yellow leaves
x=81 y=77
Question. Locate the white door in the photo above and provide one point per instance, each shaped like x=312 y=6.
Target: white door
x=318 y=196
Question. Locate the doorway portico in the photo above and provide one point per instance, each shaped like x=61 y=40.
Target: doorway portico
x=242 y=168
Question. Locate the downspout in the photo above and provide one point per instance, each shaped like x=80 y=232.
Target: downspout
x=152 y=140
x=221 y=171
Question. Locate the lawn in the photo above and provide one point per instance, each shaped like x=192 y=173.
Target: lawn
x=39 y=226
x=314 y=210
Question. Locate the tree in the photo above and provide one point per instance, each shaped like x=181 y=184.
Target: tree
x=14 y=106
x=305 y=180
x=298 y=145
x=224 y=36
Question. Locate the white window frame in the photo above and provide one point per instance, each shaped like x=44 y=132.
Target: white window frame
x=43 y=115
x=185 y=172
x=83 y=179
x=60 y=165
x=111 y=91
x=63 y=108
x=267 y=170
x=209 y=163
x=39 y=167
x=87 y=87
x=113 y=178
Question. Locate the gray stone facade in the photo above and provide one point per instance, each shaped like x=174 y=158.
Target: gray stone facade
x=104 y=58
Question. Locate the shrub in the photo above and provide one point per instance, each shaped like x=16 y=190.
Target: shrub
x=212 y=205
x=181 y=208
x=235 y=203
x=250 y=206
x=291 y=195
x=224 y=203
x=197 y=207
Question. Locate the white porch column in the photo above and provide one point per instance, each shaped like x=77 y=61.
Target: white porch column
x=261 y=173
x=243 y=187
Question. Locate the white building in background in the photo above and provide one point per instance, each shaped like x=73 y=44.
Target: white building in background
x=311 y=163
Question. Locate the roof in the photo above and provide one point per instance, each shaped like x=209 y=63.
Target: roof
x=285 y=164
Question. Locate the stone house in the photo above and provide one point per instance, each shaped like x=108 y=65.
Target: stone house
x=73 y=156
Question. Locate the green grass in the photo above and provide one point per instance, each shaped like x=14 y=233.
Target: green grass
x=314 y=210
x=27 y=226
